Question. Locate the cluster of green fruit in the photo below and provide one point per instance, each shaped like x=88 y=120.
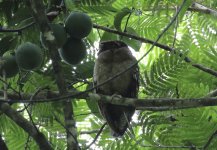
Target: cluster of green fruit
x=72 y=49
x=29 y=56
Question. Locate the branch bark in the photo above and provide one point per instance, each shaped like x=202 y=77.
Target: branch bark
x=40 y=17
x=154 y=104
x=3 y=144
x=195 y=7
x=202 y=9
x=160 y=104
x=27 y=126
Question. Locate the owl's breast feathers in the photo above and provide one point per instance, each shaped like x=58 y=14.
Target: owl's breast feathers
x=113 y=58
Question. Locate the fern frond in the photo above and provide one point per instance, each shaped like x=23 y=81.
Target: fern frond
x=163 y=75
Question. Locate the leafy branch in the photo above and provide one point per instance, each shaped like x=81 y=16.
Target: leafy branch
x=162 y=46
x=26 y=125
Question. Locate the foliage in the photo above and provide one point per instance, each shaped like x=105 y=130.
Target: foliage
x=163 y=74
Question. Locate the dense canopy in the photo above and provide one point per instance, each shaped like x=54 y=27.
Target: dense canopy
x=53 y=106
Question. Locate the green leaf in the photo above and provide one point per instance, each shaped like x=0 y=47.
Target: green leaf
x=119 y=17
x=85 y=70
x=7 y=43
x=107 y=36
x=135 y=44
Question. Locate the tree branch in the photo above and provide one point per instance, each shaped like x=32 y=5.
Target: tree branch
x=3 y=144
x=210 y=139
x=162 y=46
x=89 y=132
x=17 y=30
x=58 y=120
x=160 y=104
x=145 y=40
x=26 y=125
x=195 y=7
x=202 y=9
x=97 y=135
x=154 y=104
x=40 y=17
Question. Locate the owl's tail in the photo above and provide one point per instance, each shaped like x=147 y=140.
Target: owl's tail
x=117 y=117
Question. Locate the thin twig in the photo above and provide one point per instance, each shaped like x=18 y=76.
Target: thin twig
x=58 y=120
x=98 y=134
x=128 y=18
x=8 y=85
x=32 y=97
x=5 y=85
x=89 y=132
x=176 y=28
x=50 y=15
x=31 y=119
x=177 y=91
x=17 y=30
x=29 y=112
x=84 y=114
x=212 y=93
x=27 y=143
x=210 y=140
x=162 y=146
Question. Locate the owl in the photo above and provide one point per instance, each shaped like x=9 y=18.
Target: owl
x=115 y=57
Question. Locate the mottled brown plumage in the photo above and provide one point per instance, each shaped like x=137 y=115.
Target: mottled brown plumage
x=113 y=58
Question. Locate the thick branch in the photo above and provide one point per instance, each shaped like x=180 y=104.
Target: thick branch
x=41 y=19
x=157 y=104
x=26 y=125
x=202 y=9
x=3 y=144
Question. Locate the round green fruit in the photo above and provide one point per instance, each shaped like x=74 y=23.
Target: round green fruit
x=29 y=56
x=9 y=65
x=73 y=51
x=59 y=33
x=78 y=25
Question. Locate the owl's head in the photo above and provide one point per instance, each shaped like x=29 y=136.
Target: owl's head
x=111 y=45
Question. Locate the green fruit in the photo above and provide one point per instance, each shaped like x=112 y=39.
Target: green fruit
x=73 y=51
x=29 y=56
x=59 y=33
x=78 y=25
x=9 y=65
